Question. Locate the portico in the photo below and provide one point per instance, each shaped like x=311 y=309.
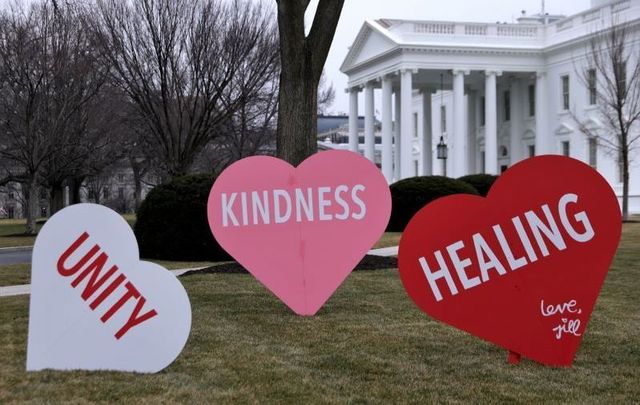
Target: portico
x=494 y=93
x=468 y=98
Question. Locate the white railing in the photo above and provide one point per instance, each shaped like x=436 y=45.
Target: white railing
x=593 y=15
x=564 y=24
x=434 y=28
x=475 y=29
x=517 y=31
x=618 y=7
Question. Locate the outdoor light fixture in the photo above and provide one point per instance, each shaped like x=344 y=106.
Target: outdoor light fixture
x=441 y=148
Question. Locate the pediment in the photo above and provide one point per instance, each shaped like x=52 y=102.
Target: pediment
x=592 y=124
x=564 y=129
x=371 y=41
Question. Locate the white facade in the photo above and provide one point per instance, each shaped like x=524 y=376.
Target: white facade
x=481 y=68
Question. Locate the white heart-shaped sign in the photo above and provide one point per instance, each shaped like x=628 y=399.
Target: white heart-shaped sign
x=94 y=304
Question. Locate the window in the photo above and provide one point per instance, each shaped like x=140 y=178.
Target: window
x=105 y=193
x=121 y=177
x=482 y=111
x=507 y=106
x=565 y=149
x=532 y=100
x=593 y=152
x=121 y=192
x=443 y=118
x=592 y=86
x=532 y=150
x=415 y=125
x=12 y=196
x=565 y=92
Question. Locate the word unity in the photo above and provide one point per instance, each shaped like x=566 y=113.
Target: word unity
x=92 y=274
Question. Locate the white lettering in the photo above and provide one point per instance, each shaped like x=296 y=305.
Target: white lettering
x=279 y=217
x=358 y=201
x=432 y=277
x=227 y=210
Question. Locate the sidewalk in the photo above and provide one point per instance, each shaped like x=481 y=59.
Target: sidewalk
x=25 y=289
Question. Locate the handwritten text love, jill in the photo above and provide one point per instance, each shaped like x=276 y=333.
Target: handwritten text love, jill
x=566 y=326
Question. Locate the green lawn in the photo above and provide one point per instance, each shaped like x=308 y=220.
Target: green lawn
x=368 y=344
x=12 y=231
x=20 y=273
x=14 y=274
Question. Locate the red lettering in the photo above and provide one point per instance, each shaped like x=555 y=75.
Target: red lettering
x=134 y=319
x=131 y=293
x=69 y=271
x=94 y=269
x=107 y=291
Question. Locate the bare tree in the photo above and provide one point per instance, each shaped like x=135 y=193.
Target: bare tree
x=302 y=58
x=326 y=94
x=177 y=64
x=612 y=75
x=40 y=52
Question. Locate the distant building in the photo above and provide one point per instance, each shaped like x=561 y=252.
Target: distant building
x=495 y=93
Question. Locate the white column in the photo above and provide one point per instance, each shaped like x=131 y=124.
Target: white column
x=427 y=134
x=397 y=136
x=542 y=126
x=406 y=94
x=387 y=121
x=459 y=126
x=369 y=137
x=472 y=128
x=491 y=124
x=517 y=115
x=353 y=119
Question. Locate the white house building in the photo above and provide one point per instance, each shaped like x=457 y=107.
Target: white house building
x=495 y=93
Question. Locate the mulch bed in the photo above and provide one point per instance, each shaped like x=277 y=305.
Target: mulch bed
x=369 y=262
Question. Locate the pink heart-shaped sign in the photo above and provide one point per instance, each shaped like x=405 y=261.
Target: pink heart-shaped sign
x=523 y=267
x=300 y=231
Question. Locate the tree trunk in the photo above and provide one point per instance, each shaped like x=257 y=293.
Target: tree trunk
x=302 y=59
x=33 y=206
x=625 y=185
x=297 y=116
x=138 y=172
x=56 y=199
x=75 y=188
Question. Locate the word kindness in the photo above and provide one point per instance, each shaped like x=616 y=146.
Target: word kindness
x=545 y=232
x=116 y=284
x=280 y=206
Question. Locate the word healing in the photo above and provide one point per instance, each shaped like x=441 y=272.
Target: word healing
x=486 y=260
x=92 y=272
x=279 y=206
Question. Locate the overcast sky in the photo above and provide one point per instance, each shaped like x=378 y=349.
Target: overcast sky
x=356 y=11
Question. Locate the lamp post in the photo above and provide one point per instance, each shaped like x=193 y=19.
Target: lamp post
x=441 y=150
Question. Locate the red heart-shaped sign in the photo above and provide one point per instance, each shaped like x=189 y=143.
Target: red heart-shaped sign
x=523 y=267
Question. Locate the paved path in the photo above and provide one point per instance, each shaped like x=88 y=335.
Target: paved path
x=24 y=289
x=15 y=255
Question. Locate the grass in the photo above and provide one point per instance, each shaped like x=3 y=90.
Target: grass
x=20 y=273
x=12 y=231
x=368 y=344
x=388 y=239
